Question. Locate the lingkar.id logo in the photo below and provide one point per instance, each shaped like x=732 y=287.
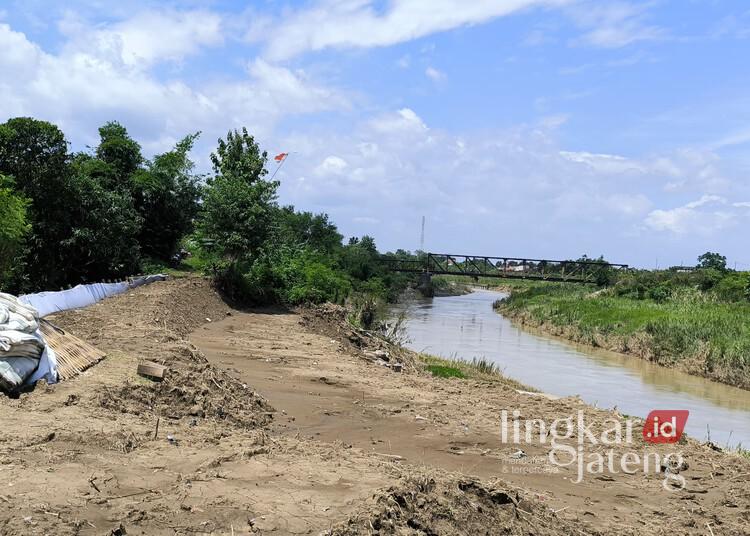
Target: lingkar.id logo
x=661 y=427
x=665 y=426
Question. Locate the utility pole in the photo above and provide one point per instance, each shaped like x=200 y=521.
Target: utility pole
x=421 y=237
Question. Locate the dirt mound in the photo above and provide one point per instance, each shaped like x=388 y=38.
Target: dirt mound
x=199 y=391
x=438 y=506
x=150 y=323
x=331 y=320
x=177 y=306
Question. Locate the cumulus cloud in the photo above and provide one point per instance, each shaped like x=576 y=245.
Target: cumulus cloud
x=394 y=167
x=360 y=24
x=79 y=90
x=705 y=216
x=331 y=165
x=145 y=38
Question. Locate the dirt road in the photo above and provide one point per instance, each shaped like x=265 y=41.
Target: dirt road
x=272 y=422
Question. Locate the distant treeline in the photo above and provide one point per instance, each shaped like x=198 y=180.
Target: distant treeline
x=109 y=212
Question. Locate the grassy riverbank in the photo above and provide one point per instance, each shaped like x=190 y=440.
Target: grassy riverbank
x=676 y=326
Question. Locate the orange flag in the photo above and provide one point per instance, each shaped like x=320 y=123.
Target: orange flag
x=280 y=157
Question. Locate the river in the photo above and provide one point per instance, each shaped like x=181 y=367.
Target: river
x=467 y=327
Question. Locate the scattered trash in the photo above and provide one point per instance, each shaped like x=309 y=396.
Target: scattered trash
x=172 y=440
x=518 y=455
x=118 y=531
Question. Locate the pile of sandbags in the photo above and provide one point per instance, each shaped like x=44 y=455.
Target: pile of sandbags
x=24 y=356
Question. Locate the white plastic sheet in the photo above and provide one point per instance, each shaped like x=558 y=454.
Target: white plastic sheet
x=79 y=296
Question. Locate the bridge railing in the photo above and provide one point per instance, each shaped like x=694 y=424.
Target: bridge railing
x=583 y=271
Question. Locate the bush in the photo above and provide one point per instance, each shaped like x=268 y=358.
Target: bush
x=13 y=228
x=318 y=283
x=733 y=287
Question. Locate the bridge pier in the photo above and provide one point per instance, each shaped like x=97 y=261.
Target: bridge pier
x=425 y=285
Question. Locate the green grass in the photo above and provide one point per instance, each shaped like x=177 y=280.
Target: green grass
x=477 y=369
x=687 y=326
x=444 y=371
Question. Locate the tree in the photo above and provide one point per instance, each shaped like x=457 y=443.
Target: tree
x=103 y=238
x=315 y=232
x=166 y=196
x=120 y=151
x=359 y=258
x=238 y=204
x=35 y=154
x=240 y=157
x=13 y=228
x=713 y=261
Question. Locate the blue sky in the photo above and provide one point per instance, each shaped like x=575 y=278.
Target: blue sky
x=543 y=128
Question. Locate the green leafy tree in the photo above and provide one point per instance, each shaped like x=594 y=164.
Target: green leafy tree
x=315 y=232
x=166 y=195
x=238 y=204
x=713 y=261
x=359 y=258
x=13 y=228
x=35 y=154
x=120 y=151
x=103 y=238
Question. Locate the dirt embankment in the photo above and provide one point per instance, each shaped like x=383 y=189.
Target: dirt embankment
x=272 y=422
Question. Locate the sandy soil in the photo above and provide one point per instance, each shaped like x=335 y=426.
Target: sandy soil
x=273 y=422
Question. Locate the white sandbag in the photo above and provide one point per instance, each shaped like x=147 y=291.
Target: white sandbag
x=47 y=367
x=24 y=356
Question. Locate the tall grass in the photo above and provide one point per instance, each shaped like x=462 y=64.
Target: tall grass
x=714 y=336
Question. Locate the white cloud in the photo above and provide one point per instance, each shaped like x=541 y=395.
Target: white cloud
x=332 y=165
x=706 y=200
x=79 y=91
x=398 y=168
x=614 y=24
x=146 y=38
x=552 y=122
x=704 y=216
x=434 y=74
x=605 y=163
x=405 y=120
x=359 y=24
x=738 y=137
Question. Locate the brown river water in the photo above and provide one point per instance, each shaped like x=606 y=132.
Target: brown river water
x=468 y=327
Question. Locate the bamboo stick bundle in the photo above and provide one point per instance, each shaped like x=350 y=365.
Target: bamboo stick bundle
x=74 y=355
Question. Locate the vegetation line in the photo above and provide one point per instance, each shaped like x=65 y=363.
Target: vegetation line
x=695 y=319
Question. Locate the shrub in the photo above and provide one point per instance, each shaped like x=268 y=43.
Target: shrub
x=733 y=287
x=318 y=283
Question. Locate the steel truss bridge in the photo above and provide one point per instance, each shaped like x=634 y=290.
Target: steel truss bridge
x=583 y=271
